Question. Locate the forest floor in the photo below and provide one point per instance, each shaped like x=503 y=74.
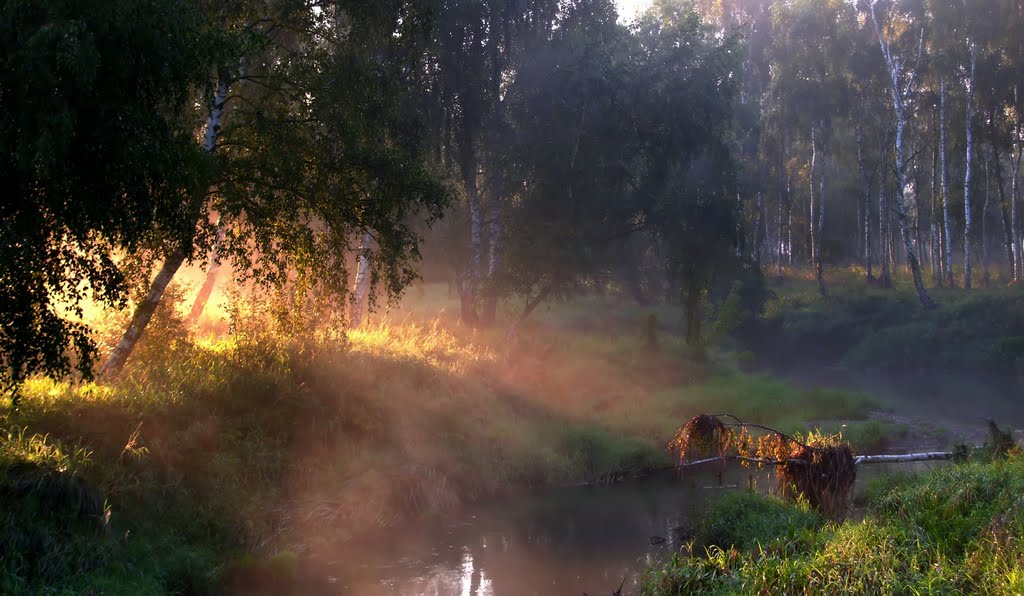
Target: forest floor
x=212 y=451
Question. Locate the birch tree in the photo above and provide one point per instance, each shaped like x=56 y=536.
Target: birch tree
x=902 y=76
x=969 y=159
x=326 y=141
x=947 y=234
x=97 y=128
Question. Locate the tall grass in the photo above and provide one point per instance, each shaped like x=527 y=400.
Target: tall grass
x=258 y=441
x=957 y=529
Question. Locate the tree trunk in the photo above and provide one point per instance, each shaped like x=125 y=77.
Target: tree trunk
x=760 y=231
x=144 y=311
x=936 y=227
x=361 y=290
x=209 y=282
x=865 y=204
x=819 y=269
x=1004 y=214
x=531 y=305
x=782 y=237
x=967 y=174
x=985 y=273
x=899 y=104
x=901 y=215
x=812 y=221
x=471 y=282
x=885 y=255
x=490 y=307
x=1014 y=199
x=946 y=231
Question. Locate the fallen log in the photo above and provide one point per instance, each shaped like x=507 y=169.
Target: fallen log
x=904 y=458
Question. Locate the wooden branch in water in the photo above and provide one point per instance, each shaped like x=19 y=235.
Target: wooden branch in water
x=753 y=460
x=857 y=460
x=904 y=458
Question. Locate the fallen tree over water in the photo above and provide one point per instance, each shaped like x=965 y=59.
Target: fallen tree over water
x=818 y=467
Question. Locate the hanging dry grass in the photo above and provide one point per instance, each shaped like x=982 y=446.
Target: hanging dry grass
x=701 y=436
x=823 y=471
x=820 y=468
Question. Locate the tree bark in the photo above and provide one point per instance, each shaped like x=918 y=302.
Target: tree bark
x=819 y=269
x=208 y=282
x=899 y=98
x=470 y=285
x=904 y=458
x=865 y=204
x=1014 y=199
x=1004 y=214
x=812 y=221
x=361 y=289
x=143 y=314
x=946 y=231
x=936 y=224
x=789 y=220
x=967 y=173
x=985 y=273
x=490 y=307
x=144 y=311
x=531 y=305
x=885 y=255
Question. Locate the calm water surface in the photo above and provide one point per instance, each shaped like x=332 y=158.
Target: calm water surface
x=562 y=541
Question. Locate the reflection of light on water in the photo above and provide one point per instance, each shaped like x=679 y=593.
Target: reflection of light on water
x=484 y=587
x=467 y=573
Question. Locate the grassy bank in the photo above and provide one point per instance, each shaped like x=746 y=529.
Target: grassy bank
x=957 y=529
x=860 y=327
x=250 y=443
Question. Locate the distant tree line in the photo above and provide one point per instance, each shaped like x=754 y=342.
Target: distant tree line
x=708 y=143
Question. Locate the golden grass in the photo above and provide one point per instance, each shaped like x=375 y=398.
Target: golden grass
x=293 y=441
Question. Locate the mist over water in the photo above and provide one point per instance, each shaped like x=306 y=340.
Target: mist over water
x=558 y=541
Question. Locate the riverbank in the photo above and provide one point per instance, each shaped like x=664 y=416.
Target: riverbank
x=956 y=529
x=977 y=333
x=211 y=451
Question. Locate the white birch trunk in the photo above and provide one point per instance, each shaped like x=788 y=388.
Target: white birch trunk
x=1015 y=198
x=818 y=262
x=144 y=311
x=789 y=220
x=210 y=280
x=936 y=229
x=904 y=458
x=812 y=221
x=967 y=173
x=946 y=231
x=361 y=289
x=493 y=264
x=899 y=98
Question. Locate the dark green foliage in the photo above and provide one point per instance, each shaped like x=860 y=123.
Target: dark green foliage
x=747 y=520
x=597 y=452
x=97 y=138
x=865 y=328
x=953 y=530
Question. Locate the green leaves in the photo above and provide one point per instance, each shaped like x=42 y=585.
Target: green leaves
x=97 y=138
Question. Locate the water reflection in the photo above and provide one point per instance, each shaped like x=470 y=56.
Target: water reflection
x=568 y=541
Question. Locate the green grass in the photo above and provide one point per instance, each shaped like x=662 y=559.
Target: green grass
x=208 y=451
x=865 y=328
x=957 y=529
x=746 y=520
